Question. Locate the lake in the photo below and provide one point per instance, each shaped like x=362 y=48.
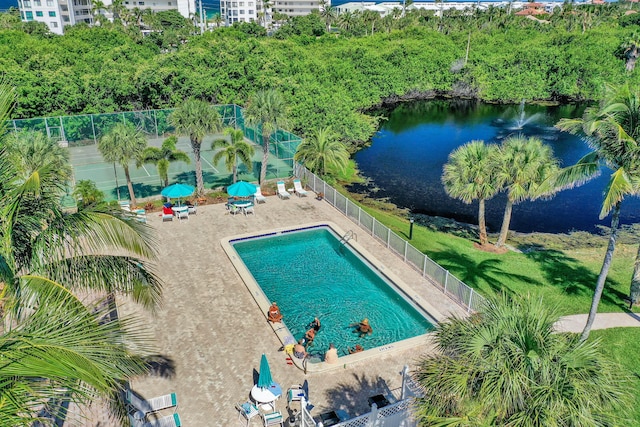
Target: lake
x=404 y=163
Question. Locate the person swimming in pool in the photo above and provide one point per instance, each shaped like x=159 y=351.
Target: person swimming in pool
x=363 y=328
x=309 y=336
x=315 y=324
x=357 y=349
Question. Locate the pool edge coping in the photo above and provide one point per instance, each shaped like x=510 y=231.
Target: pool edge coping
x=282 y=331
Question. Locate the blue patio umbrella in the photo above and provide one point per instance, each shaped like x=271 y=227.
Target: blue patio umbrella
x=264 y=377
x=241 y=189
x=178 y=191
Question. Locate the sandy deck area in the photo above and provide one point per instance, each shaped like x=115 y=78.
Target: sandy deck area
x=212 y=330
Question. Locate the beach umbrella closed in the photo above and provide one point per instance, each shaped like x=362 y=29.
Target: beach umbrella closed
x=264 y=378
x=241 y=189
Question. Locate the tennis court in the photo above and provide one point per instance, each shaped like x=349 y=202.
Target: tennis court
x=81 y=133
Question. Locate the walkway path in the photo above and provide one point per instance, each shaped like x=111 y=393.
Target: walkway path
x=575 y=323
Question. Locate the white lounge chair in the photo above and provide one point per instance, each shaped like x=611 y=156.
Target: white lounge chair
x=259 y=197
x=172 y=420
x=295 y=393
x=152 y=405
x=273 y=419
x=141 y=215
x=297 y=186
x=247 y=411
x=282 y=192
x=125 y=205
x=167 y=214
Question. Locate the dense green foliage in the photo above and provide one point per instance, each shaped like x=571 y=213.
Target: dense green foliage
x=328 y=80
x=507 y=366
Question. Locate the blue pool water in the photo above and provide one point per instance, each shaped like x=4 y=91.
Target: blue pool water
x=306 y=274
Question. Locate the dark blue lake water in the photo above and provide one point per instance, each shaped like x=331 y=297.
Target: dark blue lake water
x=404 y=164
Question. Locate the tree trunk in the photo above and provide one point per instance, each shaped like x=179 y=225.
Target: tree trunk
x=506 y=219
x=631 y=59
x=132 y=196
x=235 y=169
x=634 y=293
x=195 y=145
x=265 y=158
x=481 y=223
x=602 y=277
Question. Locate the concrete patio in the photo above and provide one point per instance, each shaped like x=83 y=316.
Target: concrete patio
x=214 y=333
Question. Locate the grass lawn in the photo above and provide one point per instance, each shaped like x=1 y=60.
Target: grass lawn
x=565 y=278
x=623 y=345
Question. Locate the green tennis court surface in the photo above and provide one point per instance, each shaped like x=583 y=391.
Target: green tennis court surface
x=110 y=179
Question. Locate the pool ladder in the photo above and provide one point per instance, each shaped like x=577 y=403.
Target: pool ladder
x=347 y=236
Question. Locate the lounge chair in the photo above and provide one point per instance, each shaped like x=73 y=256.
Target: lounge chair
x=152 y=405
x=297 y=186
x=259 y=197
x=282 y=192
x=247 y=411
x=141 y=215
x=167 y=214
x=172 y=420
x=273 y=419
x=125 y=205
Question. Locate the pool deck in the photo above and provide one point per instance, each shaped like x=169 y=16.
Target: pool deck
x=212 y=330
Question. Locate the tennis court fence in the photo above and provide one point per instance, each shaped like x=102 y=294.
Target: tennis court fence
x=430 y=270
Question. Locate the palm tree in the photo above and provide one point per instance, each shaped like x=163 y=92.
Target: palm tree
x=29 y=150
x=346 y=21
x=52 y=345
x=327 y=13
x=507 y=366
x=122 y=144
x=196 y=119
x=234 y=149
x=613 y=132
x=87 y=193
x=322 y=151
x=163 y=156
x=523 y=164
x=470 y=175
x=267 y=109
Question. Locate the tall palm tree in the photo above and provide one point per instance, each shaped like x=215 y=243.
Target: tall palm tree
x=322 y=152
x=163 y=156
x=507 y=366
x=196 y=119
x=327 y=13
x=122 y=144
x=523 y=165
x=267 y=109
x=470 y=175
x=346 y=21
x=232 y=150
x=632 y=51
x=52 y=345
x=612 y=130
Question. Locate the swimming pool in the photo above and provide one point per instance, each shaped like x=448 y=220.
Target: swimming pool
x=309 y=273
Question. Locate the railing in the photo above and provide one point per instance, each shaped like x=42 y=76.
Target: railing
x=393 y=415
x=450 y=285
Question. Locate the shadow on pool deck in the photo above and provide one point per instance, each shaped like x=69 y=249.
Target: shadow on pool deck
x=213 y=331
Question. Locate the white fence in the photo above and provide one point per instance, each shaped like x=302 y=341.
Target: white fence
x=397 y=414
x=430 y=270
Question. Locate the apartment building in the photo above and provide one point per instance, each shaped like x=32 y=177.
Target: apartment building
x=56 y=13
x=242 y=11
x=297 y=7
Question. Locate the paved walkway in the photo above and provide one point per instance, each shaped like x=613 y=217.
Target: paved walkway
x=212 y=332
x=575 y=323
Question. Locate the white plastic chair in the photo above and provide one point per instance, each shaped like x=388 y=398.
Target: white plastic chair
x=193 y=208
x=273 y=419
x=248 y=210
x=282 y=192
x=247 y=411
x=297 y=185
